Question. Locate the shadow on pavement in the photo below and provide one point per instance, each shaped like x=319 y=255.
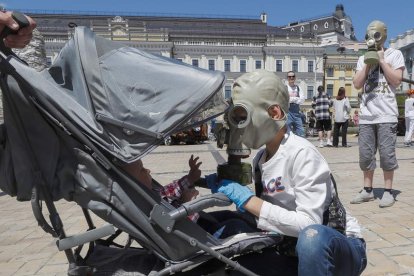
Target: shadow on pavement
x=379 y=191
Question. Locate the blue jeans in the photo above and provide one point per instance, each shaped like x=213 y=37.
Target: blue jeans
x=324 y=251
x=295 y=124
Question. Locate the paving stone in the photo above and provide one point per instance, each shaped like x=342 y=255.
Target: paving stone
x=389 y=232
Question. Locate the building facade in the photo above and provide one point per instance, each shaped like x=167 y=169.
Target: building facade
x=231 y=45
x=405 y=43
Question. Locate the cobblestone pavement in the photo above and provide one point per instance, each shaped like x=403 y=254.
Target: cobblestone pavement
x=26 y=250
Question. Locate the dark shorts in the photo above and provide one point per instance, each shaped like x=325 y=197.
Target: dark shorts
x=324 y=125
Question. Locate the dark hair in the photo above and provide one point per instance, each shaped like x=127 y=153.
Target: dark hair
x=341 y=93
x=320 y=88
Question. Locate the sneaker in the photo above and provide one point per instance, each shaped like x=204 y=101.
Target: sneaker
x=363 y=196
x=407 y=144
x=321 y=144
x=329 y=144
x=387 y=200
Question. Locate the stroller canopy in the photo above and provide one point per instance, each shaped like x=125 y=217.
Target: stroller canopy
x=126 y=100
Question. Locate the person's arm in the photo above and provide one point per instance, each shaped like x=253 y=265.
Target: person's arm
x=23 y=36
x=361 y=73
x=347 y=105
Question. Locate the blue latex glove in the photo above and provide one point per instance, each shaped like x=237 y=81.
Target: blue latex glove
x=235 y=192
x=212 y=182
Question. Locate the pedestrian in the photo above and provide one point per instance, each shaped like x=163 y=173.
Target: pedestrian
x=409 y=118
x=355 y=120
x=342 y=108
x=311 y=123
x=321 y=104
x=296 y=186
x=22 y=37
x=378 y=116
x=296 y=98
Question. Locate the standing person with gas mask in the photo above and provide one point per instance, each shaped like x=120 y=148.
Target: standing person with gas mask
x=296 y=98
x=379 y=73
x=294 y=188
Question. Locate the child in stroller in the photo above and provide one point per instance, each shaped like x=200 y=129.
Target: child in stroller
x=177 y=192
x=220 y=224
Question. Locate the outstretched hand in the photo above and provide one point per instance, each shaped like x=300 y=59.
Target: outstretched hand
x=195 y=171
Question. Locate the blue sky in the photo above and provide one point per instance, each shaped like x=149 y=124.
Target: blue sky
x=397 y=14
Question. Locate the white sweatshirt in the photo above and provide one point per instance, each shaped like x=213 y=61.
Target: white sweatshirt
x=297 y=188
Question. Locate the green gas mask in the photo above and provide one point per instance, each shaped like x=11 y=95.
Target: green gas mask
x=375 y=38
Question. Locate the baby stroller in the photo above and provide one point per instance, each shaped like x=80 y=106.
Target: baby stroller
x=68 y=129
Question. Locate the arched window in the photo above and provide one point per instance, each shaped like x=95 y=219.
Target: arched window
x=315 y=27
x=326 y=25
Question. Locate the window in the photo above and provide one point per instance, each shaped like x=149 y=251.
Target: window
x=295 y=65
x=310 y=66
x=309 y=92
x=242 y=65
x=279 y=65
x=211 y=64
x=48 y=61
x=227 y=91
x=194 y=62
x=329 y=89
x=258 y=64
x=226 y=65
x=180 y=59
x=329 y=72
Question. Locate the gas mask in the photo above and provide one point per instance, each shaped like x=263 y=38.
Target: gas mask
x=375 y=38
x=253 y=94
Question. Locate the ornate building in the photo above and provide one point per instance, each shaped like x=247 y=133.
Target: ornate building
x=405 y=43
x=231 y=45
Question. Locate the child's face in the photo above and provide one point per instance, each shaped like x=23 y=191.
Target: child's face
x=143 y=174
x=139 y=172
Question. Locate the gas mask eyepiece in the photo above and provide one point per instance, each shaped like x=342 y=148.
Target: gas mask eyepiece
x=239 y=116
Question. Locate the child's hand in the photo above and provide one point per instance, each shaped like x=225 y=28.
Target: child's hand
x=195 y=172
x=189 y=195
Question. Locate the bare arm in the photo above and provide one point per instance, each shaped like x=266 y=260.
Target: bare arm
x=254 y=205
x=360 y=77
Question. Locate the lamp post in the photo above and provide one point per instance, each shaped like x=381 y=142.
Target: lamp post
x=325 y=57
x=409 y=65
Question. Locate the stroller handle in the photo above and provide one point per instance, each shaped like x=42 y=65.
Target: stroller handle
x=22 y=21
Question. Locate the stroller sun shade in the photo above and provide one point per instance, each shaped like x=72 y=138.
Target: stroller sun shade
x=126 y=100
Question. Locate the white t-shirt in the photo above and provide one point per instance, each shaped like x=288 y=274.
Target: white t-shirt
x=342 y=109
x=378 y=103
x=295 y=94
x=297 y=188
